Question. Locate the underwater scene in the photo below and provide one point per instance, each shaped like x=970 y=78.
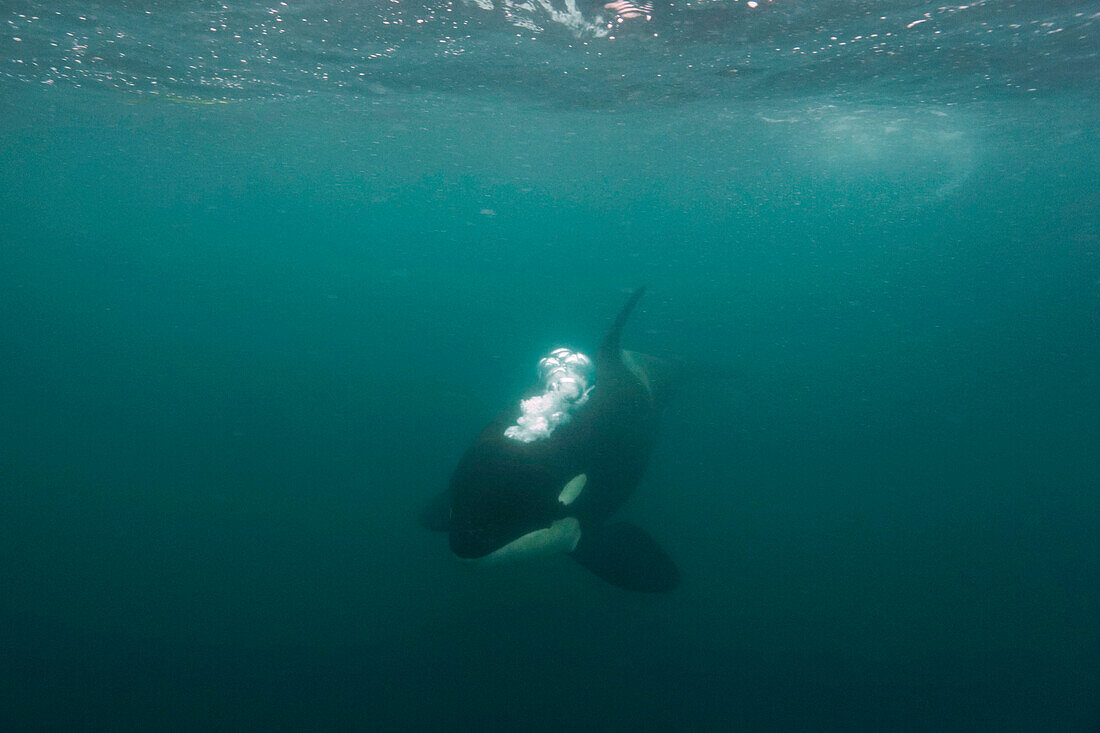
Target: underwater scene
x=550 y=365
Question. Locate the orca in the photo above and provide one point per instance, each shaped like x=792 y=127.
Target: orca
x=557 y=492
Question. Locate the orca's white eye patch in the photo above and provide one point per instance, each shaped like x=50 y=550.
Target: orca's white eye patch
x=573 y=489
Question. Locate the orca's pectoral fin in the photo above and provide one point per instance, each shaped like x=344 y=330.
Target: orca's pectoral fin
x=437 y=515
x=626 y=556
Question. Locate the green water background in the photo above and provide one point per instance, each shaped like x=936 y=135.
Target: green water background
x=243 y=343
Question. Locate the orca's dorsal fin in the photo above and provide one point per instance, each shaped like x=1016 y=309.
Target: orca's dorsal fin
x=610 y=353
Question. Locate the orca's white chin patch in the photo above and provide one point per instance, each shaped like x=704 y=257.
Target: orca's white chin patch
x=561 y=536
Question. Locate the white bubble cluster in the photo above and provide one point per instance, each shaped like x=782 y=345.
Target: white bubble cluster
x=565 y=376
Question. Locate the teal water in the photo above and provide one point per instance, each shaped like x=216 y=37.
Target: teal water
x=265 y=271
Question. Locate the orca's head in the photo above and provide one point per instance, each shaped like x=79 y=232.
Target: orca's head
x=503 y=510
